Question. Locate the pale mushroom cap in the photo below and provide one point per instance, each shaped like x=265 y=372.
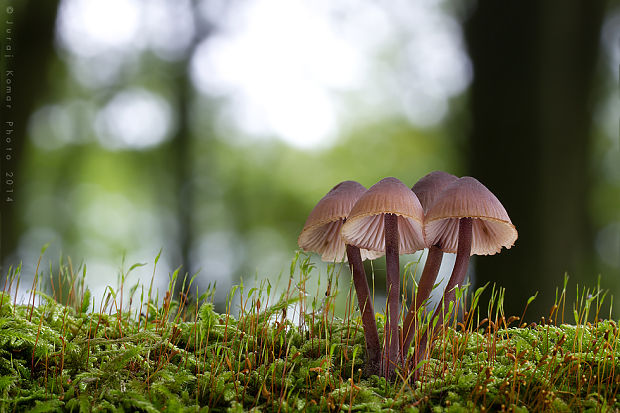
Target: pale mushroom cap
x=468 y=198
x=364 y=225
x=321 y=233
x=430 y=186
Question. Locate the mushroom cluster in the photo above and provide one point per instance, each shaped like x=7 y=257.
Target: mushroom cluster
x=441 y=212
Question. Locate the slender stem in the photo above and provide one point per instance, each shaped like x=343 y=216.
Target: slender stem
x=456 y=278
x=425 y=286
x=373 y=346
x=459 y=272
x=393 y=288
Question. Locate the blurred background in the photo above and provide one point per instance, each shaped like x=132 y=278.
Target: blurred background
x=210 y=128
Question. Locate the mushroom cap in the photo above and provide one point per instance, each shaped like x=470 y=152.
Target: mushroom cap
x=321 y=233
x=430 y=186
x=468 y=198
x=364 y=225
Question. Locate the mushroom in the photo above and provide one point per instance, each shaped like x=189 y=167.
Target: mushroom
x=388 y=217
x=466 y=219
x=321 y=234
x=427 y=189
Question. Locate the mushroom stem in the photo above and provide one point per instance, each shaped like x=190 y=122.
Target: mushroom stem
x=456 y=278
x=373 y=347
x=425 y=286
x=393 y=288
x=461 y=264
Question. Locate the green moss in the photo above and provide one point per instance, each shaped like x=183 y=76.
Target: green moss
x=175 y=359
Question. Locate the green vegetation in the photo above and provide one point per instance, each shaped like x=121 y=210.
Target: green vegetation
x=59 y=353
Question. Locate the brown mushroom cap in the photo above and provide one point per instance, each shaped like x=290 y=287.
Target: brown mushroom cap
x=468 y=198
x=430 y=186
x=321 y=233
x=364 y=225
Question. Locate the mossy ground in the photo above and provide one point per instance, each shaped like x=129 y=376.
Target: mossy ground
x=185 y=357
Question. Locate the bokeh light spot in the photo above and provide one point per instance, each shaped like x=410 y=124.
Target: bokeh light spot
x=134 y=119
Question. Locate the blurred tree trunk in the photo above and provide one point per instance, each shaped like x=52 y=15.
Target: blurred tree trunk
x=183 y=162
x=183 y=153
x=32 y=42
x=530 y=139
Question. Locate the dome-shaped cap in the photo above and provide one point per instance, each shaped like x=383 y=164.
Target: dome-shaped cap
x=430 y=186
x=321 y=233
x=468 y=198
x=364 y=225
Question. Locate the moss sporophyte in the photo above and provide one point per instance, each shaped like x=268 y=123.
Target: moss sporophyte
x=290 y=352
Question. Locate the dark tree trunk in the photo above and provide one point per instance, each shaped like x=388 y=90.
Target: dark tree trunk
x=183 y=171
x=182 y=155
x=530 y=139
x=29 y=31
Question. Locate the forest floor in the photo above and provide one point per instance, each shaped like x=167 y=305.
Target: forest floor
x=57 y=353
